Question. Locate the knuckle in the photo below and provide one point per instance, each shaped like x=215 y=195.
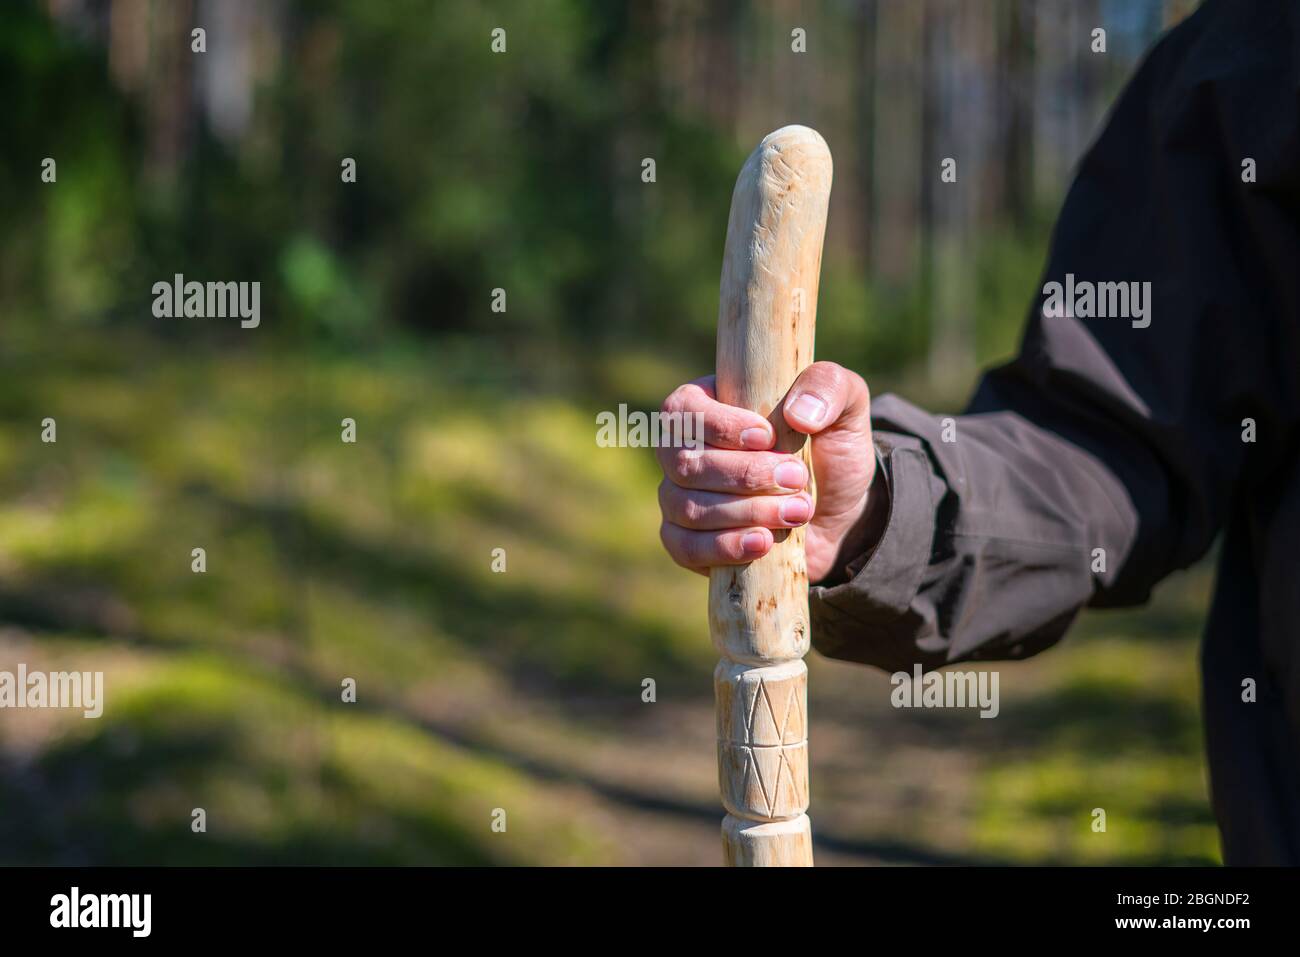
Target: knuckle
x=675 y=401
x=692 y=511
x=733 y=548
x=665 y=496
x=692 y=549
x=685 y=464
x=832 y=376
x=675 y=544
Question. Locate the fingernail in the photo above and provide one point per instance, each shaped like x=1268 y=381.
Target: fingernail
x=791 y=475
x=808 y=409
x=754 y=542
x=795 y=510
x=756 y=439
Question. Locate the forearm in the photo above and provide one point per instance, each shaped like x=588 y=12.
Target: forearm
x=981 y=547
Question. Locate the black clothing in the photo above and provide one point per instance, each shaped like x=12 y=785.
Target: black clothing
x=1105 y=433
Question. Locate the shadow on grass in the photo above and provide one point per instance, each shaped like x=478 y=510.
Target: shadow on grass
x=1091 y=717
x=77 y=803
x=540 y=641
x=125 y=797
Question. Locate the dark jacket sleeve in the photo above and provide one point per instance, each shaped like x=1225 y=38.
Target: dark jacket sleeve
x=1106 y=454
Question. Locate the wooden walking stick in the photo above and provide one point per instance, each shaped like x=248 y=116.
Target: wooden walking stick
x=758 y=613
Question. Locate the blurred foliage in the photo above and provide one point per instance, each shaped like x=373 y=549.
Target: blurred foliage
x=475 y=172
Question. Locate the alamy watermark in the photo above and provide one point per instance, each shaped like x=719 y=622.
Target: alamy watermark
x=1098 y=300
x=946 y=689
x=75 y=909
x=208 y=300
x=636 y=429
x=83 y=690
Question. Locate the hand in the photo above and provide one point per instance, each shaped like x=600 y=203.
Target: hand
x=721 y=503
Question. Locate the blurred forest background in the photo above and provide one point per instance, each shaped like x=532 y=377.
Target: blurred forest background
x=520 y=171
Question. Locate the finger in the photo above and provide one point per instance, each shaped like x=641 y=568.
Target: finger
x=741 y=473
x=826 y=394
x=724 y=426
x=716 y=510
x=703 y=550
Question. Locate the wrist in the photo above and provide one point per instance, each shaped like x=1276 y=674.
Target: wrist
x=862 y=539
x=854 y=546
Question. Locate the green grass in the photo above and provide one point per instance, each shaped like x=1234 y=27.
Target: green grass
x=476 y=690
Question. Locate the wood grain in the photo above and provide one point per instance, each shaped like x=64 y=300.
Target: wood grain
x=758 y=613
x=771 y=844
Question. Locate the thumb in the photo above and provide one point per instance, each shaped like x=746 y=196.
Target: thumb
x=833 y=404
x=828 y=396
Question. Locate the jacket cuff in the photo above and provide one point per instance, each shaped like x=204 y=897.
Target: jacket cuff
x=853 y=620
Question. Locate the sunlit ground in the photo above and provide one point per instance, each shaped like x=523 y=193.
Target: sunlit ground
x=477 y=690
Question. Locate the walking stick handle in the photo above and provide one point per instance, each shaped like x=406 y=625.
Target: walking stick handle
x=758 y=613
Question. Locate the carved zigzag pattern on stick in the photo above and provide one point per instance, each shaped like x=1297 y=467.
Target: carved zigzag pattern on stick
x=764 y=727
x=762 y=746
x=769 y=768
